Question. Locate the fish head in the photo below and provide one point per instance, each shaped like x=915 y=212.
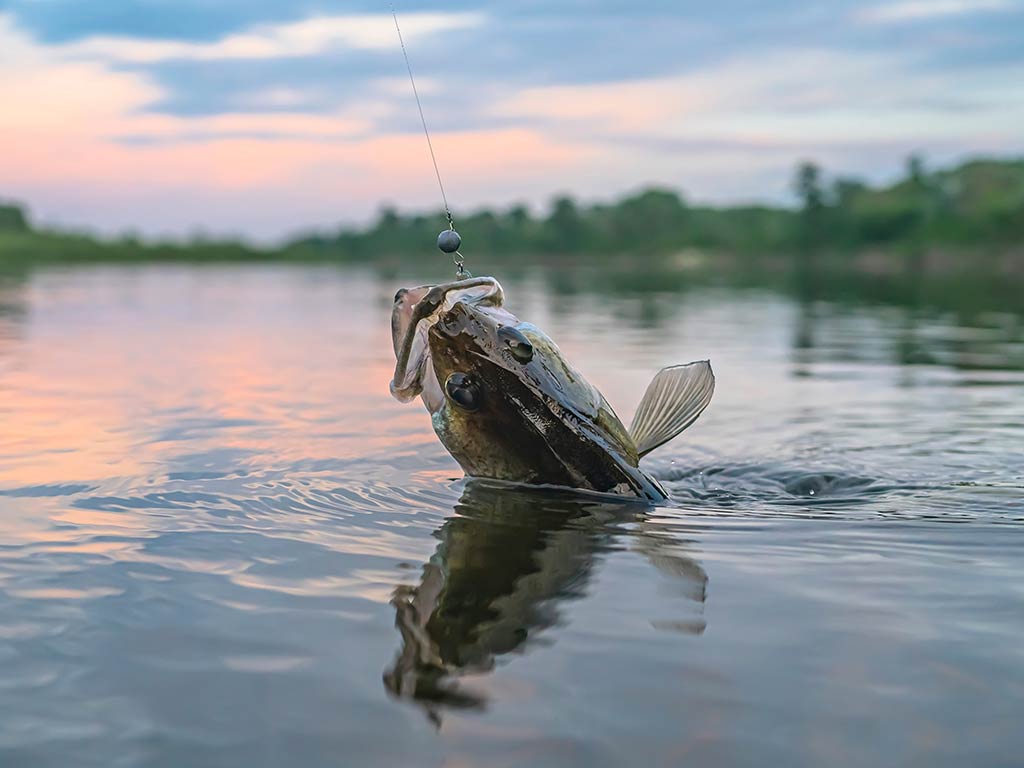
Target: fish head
x=414 y=311
x=473 y=352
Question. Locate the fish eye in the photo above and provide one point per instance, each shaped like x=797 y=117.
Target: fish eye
x=517 y=343
x=400 y=293
x=464 y=391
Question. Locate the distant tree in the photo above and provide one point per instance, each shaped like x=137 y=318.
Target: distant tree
x=519 y=216
x=920 y=187
x=845 y=191
x=807 y=185
x=517 y=230
x=652 y=219
x=388 y=218
x=923 y=206
x=915 y=170
x=13 y=219
x=565 y=230
x=843 y=197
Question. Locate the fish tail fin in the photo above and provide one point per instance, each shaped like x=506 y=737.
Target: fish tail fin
x=674 y=399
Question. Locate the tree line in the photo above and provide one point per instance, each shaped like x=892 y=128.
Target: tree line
x=977 y=204
x=980 y=202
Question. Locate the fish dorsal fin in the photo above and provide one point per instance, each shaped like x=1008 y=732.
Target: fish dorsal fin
x=673 y=401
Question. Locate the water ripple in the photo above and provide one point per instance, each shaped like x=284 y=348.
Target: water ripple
x=234 y=551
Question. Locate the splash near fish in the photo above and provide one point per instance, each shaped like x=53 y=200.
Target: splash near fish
x=507 y=405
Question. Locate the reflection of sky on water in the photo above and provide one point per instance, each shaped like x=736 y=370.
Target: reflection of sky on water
x=108 y=394
x=209 y=500
x=12 y=316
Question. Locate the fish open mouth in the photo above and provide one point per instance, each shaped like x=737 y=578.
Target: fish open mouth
x=454 y=322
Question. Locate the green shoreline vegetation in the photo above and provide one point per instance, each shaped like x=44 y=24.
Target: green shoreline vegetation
x=958 y=230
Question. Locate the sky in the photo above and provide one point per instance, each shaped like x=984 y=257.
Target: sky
x=265 y=119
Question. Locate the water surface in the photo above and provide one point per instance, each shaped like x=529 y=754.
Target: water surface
x=224 y=544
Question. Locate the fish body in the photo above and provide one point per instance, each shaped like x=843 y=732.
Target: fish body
x=507 y=404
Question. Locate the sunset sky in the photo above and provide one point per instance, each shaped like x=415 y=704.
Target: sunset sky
x=265 y=118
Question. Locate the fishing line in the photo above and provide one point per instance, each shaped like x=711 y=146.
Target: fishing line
x=449 y=240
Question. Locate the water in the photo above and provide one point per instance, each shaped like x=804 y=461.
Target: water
x=223 y=544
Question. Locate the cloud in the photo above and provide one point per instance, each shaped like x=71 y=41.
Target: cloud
x=81 y=145
x=924 y=10
x=294 y=124
x=46 y=95
x=849 y=97
x=735 y=130
x=309 y=37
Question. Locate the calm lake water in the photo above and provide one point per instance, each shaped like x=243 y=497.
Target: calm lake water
x=224 y=544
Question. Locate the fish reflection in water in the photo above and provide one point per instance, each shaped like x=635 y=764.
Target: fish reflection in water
x=505 y=564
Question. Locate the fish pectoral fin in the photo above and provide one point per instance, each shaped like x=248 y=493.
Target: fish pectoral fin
x=673 y=401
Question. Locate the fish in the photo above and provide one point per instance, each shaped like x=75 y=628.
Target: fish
x=508 y=406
